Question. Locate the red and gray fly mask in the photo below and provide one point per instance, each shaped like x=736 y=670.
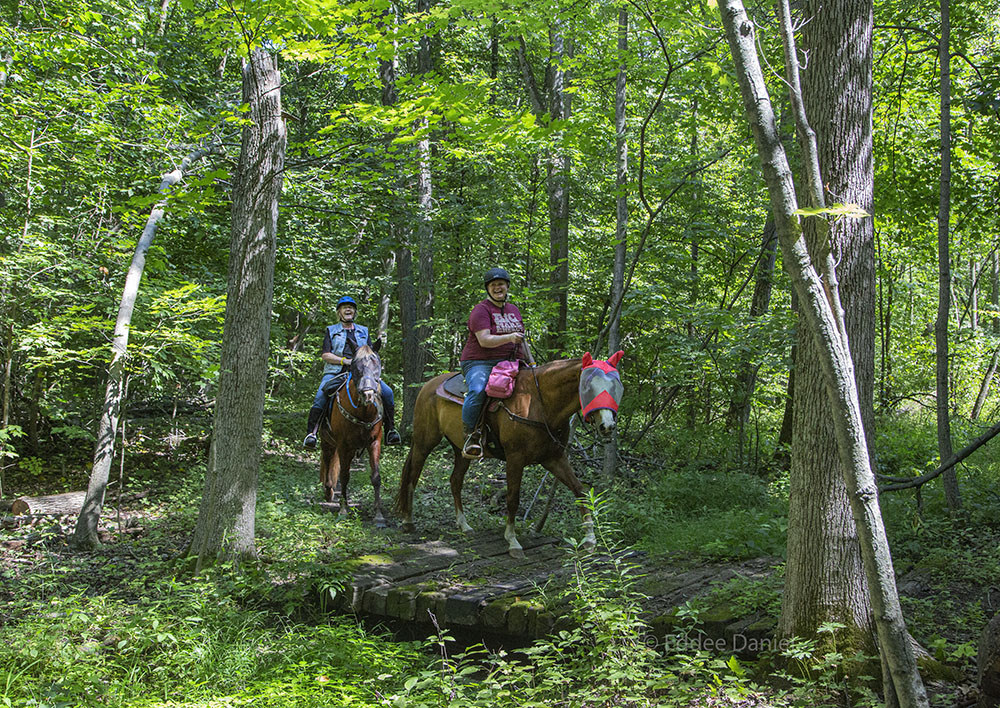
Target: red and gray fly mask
x=600 y=392
x=366 y=370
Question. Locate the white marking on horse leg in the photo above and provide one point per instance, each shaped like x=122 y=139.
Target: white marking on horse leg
x=463 y=525
x=513 y=547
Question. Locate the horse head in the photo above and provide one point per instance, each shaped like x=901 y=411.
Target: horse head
x=366 y=370
x=600 y=392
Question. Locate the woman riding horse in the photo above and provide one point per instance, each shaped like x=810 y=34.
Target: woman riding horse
x=354 y=423
x=532 y=426
x=496 y=333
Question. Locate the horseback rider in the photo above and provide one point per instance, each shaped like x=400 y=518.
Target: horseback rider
x=341 y=342
x=496 y=333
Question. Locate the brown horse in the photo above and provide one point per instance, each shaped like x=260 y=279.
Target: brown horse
x=354 y=422
x=532 y=426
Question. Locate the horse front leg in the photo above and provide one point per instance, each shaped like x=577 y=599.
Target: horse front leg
x=343 y=459
x=327 y=473
x=457 y=480
x=514 y=472
x=374 y=453
x=561 y=470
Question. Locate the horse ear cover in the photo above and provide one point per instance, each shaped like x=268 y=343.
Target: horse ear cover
x=615 y=358
x=587 y=360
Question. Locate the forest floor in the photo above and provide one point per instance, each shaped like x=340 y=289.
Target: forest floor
x=147 y=527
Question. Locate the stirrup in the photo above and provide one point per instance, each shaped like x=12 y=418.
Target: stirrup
x=473 y=448
x=310 y=442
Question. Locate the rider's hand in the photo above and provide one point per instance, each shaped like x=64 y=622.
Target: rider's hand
x=516 y=337
x=347 y=362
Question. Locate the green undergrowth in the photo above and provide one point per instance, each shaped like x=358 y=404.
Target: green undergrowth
x=124 y=626
x=705 y=514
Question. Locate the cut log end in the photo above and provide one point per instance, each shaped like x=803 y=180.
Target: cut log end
x=52 y=505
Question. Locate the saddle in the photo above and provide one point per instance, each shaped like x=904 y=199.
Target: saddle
x=453 y=389
x=331 y=388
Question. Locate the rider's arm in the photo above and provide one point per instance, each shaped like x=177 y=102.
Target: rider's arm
x=489 y=341
x=331 y=358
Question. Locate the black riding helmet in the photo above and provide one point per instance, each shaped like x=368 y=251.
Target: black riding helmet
x=495 y=274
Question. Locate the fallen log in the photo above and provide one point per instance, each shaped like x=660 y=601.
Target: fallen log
x=52 y=505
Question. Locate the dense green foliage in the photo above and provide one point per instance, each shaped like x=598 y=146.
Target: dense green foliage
x=98 y=98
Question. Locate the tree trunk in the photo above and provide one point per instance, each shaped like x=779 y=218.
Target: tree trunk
x=558 y=192
x=556 y=180
x=225 y=527
x=994 y=330
x=820 y=304
x=621 y=219
x=85 y=534
x=950 y=478
x=825 y=581
x=746 y=376
x=415 y=366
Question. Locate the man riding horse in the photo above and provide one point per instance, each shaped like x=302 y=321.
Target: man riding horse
x=339 y=346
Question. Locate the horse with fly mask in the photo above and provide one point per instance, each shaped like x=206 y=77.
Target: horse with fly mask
x=532 y=427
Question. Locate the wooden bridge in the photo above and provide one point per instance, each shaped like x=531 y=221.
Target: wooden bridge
x=469 y=583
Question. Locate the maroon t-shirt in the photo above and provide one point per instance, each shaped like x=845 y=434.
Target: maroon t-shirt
x=498 y=320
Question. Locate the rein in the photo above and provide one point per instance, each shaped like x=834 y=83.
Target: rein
x=367 y=425
x=534 y=423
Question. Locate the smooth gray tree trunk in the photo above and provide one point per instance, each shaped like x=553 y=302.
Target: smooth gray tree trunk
x=85 y=535
x=820 y=305
x=225 y=528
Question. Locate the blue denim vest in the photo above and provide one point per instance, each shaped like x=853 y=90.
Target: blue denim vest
x=338 y=337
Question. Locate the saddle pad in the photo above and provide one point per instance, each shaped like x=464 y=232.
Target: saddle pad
x=453 y=388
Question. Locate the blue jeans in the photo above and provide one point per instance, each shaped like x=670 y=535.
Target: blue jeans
x=477 y=373
x=388 y=402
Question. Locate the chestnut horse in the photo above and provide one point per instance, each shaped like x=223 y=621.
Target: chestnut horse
x=532 y=426
x=354 y=422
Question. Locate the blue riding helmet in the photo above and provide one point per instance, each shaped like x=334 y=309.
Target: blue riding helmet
x=495 y=274
x=347 y=300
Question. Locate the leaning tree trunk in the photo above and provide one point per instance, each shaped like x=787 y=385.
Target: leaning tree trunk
x=820 y=305
x=85 y=535
x=225 y=527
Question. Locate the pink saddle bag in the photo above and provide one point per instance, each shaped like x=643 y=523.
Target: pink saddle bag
x=501 y=381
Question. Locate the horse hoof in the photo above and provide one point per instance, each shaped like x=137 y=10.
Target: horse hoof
x=516 y=553
x=381 y=524
x=409 y=527
x=466 y=529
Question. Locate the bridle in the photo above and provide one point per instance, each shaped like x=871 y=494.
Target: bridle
x=350 y=417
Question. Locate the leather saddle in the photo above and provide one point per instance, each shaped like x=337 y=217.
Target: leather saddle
x=453 y=389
